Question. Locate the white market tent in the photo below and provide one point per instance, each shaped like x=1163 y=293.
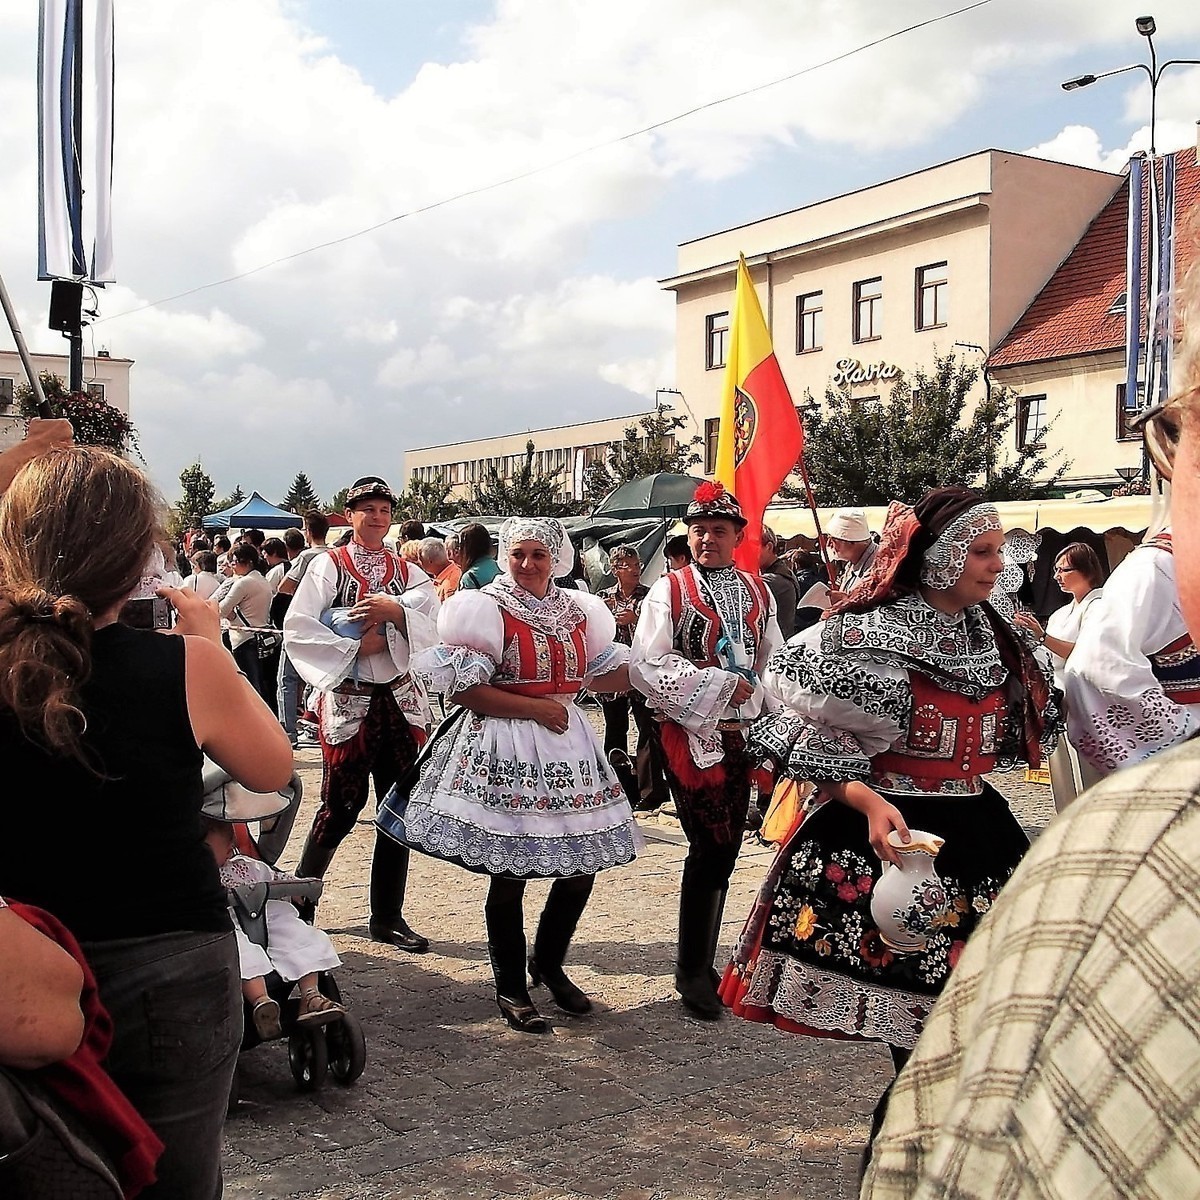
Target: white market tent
x=1132 y=513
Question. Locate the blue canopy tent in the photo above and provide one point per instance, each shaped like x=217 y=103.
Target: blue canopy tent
x=255 y=513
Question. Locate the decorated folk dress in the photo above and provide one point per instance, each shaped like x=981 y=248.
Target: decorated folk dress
x=913 y=702
x=506 y=796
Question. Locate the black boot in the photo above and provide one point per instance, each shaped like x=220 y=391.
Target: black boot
x=314 y=862
x=564 y=906
x=504 y=916
x=389 y=876
x=699 y=921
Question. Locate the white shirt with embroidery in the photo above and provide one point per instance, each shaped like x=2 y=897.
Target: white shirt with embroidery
x=323 y=658
x=695 y=698
x=1117 y=711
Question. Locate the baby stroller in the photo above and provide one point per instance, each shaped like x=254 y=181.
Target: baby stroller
x=338 y=1047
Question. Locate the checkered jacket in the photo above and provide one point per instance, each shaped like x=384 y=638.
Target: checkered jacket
x=1063 y=1060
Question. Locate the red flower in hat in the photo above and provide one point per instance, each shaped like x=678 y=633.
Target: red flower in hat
x=707 y=492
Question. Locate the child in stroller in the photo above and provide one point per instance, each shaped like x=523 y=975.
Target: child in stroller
x=279 y=953
x=296 y=952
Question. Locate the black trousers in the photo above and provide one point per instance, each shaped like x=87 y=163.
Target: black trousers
x=652 y=780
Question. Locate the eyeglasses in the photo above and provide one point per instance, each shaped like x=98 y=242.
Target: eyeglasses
x=1060 y=571
x=1161 y=427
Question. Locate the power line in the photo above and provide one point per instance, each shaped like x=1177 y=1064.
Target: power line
x=549 y=166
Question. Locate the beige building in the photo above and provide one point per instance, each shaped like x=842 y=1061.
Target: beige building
x=864 y=287
x=860 y=288
x=564 y=451
x=103 y=376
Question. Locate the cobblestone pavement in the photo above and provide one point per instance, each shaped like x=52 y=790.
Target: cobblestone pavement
x=639 y=1100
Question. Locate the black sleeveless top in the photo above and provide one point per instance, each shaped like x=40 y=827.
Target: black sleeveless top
x=118 y=854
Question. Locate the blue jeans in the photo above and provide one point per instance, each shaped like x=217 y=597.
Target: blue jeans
x=176 y=1004
x=287 y=696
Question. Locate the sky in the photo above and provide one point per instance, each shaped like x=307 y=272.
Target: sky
x=252 y=130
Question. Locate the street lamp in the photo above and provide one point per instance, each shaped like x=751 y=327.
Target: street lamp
x=987 y=395
x=1154 y=72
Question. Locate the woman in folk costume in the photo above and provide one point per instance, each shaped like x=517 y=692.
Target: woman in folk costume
x=896 y=707
x=519 y=788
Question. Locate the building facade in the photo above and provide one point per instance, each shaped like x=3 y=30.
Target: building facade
x=563 y=451
x=103 y=376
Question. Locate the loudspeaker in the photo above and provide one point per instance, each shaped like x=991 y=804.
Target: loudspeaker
x=66 y=303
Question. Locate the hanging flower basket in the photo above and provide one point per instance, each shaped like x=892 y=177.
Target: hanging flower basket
x=95 y=421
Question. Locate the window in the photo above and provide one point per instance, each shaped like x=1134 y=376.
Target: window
x=716 y=340
x=933 y=295
x=712 y=428
x=1031 y=421
x=868 y=309
x=7 y=383
x=1125 y=415
x=810 y=322
x=95 y=390
x=1117 y=307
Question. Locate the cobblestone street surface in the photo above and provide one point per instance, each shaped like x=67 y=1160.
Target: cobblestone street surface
x=638 y=1100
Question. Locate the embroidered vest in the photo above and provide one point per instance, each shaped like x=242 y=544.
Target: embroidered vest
x=352 y=585
x=949 y=743
x=535 y=663
x=697 y=624
x=1176 y=665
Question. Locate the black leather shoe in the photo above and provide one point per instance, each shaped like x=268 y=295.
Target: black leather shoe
x=571 y=998
x=521 y=1014
x=397 y=933
x=699 y=996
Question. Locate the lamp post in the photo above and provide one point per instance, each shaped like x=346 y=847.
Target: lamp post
x=1140 y=306
x=987 y=395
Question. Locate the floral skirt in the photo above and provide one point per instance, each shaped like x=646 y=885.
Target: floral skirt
x=811 y=959
x=509 y=797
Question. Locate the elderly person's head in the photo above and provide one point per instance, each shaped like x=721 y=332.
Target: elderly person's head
x=625 y=564
x=62 y=577
x=848 y=535
x=431 y=555
x=452 y=551
x=769 y=548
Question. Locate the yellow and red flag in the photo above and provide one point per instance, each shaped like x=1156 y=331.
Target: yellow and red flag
x=760 y=438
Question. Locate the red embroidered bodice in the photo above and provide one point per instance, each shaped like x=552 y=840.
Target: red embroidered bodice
x=536 y=663
x=352 y=585
x=698 y=625
x=949 y=744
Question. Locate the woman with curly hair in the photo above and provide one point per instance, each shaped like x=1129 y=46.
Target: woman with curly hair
x=896 y=707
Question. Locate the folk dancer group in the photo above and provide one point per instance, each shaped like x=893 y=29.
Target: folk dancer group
x=896 y=707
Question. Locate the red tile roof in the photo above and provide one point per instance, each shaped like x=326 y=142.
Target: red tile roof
x=1070 y=316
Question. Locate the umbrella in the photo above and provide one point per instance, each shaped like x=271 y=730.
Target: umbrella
x=663 y=494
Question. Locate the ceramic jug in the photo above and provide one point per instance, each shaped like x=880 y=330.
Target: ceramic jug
x=907 y=900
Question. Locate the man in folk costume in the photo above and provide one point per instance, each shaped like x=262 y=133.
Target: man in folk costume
x=359 y=613
x=704 y=635
x=1133 y=677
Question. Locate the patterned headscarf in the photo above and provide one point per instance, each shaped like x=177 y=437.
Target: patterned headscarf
x=550 y=531
x=946 y=559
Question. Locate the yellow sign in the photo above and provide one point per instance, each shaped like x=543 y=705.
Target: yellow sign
x=1041 y=775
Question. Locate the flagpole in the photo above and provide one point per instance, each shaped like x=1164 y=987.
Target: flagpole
x=812 y=507
x=23 y=351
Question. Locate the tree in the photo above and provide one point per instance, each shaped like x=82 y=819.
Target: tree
x=528 y=493
x=338 y=503
x=301 y=497
x=650 y=446
x=197 y=500
x=95 y=421
x=928 y=433
x=234 y=497
x=428 y=500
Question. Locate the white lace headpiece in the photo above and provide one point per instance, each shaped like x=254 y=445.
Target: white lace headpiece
x=550 y=531
x=946 y=559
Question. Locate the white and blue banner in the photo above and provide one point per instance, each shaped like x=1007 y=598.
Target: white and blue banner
x=1134 y=263
x=75 y=140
